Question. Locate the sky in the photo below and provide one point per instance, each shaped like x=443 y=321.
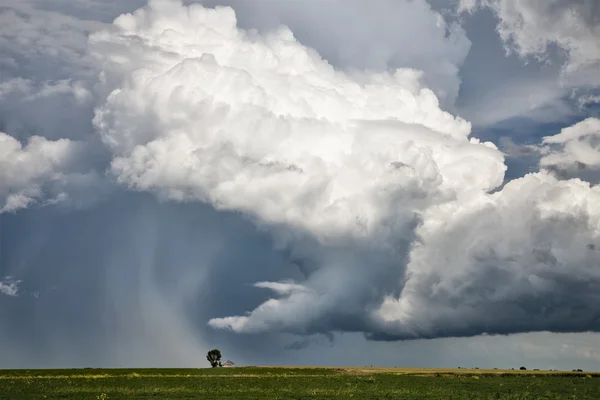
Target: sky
x=324 y=182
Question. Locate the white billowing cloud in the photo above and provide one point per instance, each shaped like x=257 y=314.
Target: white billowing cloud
x=371 y=35
x=200 y=109
x=532 y=27
x=575 y=151
x=25 y=171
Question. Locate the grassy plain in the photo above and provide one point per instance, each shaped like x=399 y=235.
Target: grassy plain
x=297 y=383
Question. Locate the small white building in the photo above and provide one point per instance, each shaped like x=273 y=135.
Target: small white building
x=228 y=364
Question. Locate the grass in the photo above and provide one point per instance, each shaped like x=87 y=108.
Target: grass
x=297 y=383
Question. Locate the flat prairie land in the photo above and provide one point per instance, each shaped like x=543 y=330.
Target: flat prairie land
x=297 y=383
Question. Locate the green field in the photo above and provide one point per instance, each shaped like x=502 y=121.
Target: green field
x=295 y=383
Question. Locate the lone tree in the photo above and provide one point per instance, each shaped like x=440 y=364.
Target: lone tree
x=214 y=358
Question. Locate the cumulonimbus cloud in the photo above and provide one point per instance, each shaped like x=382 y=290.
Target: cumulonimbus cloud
x=394 y=209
